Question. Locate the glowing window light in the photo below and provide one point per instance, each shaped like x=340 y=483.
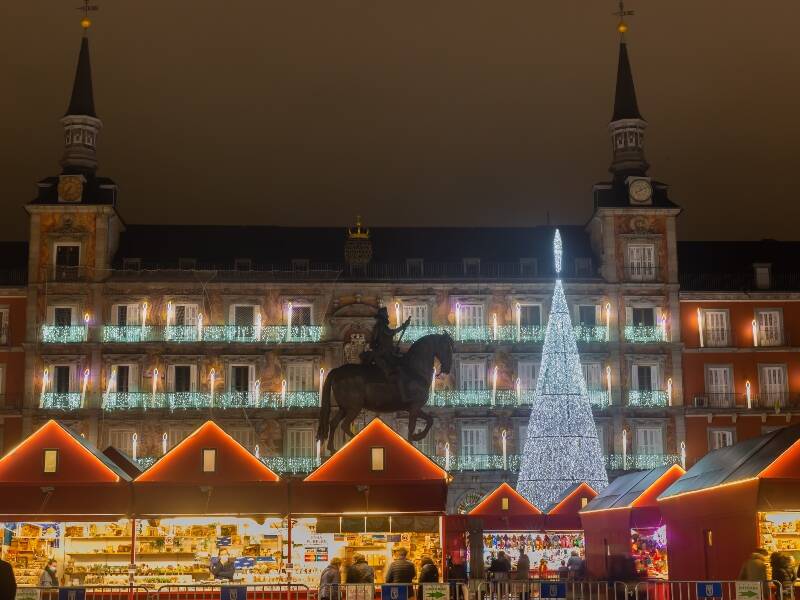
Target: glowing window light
x=289 y=321
x=164 y=443
x=669 y=391
x=256 y=390
x=84 y=386
x=608 y=382
x=397 y=314
x=755 y=333
x=45 y=384
x=135 y=446
x=519 y=390
x=86 y=319
x=608 y=321
x=518 y=317
x=494 y=385
x=494 y=326
x=747 y=394
x=700 y=326
x=283 y=392
x=212 y=380
x=458 y=320
x=432 y=393
x=319 y=451
x=111 y=385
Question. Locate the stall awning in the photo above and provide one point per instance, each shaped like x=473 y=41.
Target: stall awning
x=771 y=461
x=377 y=471
x=57 y=473
x=208 y=473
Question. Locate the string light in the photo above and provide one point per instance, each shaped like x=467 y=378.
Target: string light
x=494 y=385
x=458 y=321
x=505 y=453
x=494 y=326
x=747 y=394
x=289 y=322
x=700 y=326
x=562 y=447
x=397 y=314
x=84 y=386
x=755 y=333
x=608 y=321
x=163 y=443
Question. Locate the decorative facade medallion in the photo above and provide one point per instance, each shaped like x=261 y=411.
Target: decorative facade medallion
x=354 y=348
x=70 y=188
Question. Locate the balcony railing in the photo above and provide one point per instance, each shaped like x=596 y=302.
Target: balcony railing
x=130 y=334
x=591 y=333
x=119 y=401
x=503 y=398
x=775 y=400
x=64 y=334
x=716 y=400
x=644 y=273
x=291 y=465
x=61 y=401
x=645 y=334
x=648 y=398
x=617 y=462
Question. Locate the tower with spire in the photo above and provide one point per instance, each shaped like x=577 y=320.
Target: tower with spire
x=627 y=125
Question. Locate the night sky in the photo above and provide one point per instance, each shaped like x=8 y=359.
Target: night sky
x=435 y=112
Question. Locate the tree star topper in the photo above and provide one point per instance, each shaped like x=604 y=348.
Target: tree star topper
x=557 y=250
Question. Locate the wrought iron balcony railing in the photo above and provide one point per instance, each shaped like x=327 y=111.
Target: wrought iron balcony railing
x=291 y=465
x=61 y=401
x=64 y=334
x=648 y=398
x=635 y=462
x=503 y=334
x=131 y=334
x=135 y=334
x=502 y=398
x=645 y=334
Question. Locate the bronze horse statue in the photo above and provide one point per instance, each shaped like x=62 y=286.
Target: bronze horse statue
x=360 y=387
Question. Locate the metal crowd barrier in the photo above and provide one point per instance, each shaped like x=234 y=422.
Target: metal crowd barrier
x=707 y=590
x=455 y=590
x=232 y=591
x=525 y=589
x=87 y=592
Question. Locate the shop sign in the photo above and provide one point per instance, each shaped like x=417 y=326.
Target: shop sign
x=360 y=591
x=748 y=590
x=24 y=593
x=71 y=593
x=557 y=589
x=394 y=592
x=709 y=589
x=232 y=592
x=436 y=591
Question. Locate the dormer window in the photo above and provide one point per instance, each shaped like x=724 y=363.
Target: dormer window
x=209 y=460
x=504 y=503
x=378 y=459
x=50 y=460
x=187 y=264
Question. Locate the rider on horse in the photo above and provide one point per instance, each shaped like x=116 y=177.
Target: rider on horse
x=383 y=351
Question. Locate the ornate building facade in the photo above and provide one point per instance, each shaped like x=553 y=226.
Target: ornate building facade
x=136 y=334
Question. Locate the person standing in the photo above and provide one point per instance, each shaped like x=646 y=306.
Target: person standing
x=783 y=572
x=401 y=570
x=500 y=567
x=8 y=583
x=223 y=567
x=49 y=577
x=523 y=566
x=755 y=567
x=360 y=571
x=428 y=573
x=330 y=579
x=575 y=565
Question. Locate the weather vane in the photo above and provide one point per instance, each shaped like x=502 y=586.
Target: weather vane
x=622 y=26
x=86 y=9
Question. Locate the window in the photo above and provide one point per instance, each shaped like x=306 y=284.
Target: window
x=528 y=267
x=763 y=276
x=473 y=440
x=241 y=380
x=427 y=445
x=530 y=315
x=471 y=315
x=522 y=431
x=772 y=384
x=62 y=316
x=187 y=264
x=715 y=328
x=644 y=378
x=473 y=375
x=209 y=460
x=67 y=260
x=122 y=440
x=50 y=460
x=719 y=438
x=527 y=371
x=131 y=264
x=418 y=314
x=504 y=503
x=3 y=325
x=649 y=440
x=770 y=331
x=589 y=315
x=125 y=315
x=182 y=378
x=593 y=375
x=300 y=265
x=176 y=435
x=415 y=267
x=299 y=442
x=242 y=264
x=583 y=266
x=121 y=382
x=243 y=315
x=472 y=267
x=185 y=315
x=244 y=436
x=299 y=377
x=719 y=387
x=62 y=379
x=642 y=262
x=641 y=316
x=301 y=314
x=377 y=459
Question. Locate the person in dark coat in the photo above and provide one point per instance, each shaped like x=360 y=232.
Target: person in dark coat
x=755 y=567
x=428 y=573
x=401 y=570
x=330 y=579
x=500 y=567
x=360 y=571
x=8 y=583
x=523 y=566
x=783 y=572
x=223 y=567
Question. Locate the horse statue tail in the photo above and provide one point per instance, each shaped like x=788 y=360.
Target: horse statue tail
x=325 y=408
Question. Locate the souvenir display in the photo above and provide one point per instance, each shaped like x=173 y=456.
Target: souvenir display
x=649 y=552
x=552 y=547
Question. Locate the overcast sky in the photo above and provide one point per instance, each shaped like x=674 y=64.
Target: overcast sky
x=436 y=112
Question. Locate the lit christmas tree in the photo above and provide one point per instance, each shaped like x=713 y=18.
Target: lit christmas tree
x=562 y=446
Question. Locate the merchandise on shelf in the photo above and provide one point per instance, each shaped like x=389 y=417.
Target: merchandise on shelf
x=780 y=532
x=649 y=552
x=552 y=547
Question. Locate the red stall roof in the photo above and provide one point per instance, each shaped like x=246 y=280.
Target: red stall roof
x=208 y=473
x=637 y=489
x=504 y=501
x=48 y=473
x=377 y=471
x=574 y=498
x=772 y=459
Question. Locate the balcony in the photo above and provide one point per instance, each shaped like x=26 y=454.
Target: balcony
x=121 y=401
x=478 y=462
x=641 y=273
x=63 y=334
x=130 y=334
x=591 y=333
x=61 y=401
x=648 y=398
x=291 y=465
x=502 y=398
x=273 y=400
x=503 y=334
x=716 y=400
x=645 y=334
x=774 y=400
x=635 y=462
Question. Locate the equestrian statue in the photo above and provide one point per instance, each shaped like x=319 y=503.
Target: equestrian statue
x=385 y=381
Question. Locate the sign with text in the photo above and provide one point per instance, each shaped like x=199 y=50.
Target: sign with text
x=709 y=589
x=555 y=589
x=748 y=590
x=24 y=593
x=358 y=591
x=394 y=592
x=232 y=592
x=435 y=591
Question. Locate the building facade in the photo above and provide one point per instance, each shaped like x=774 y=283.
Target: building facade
x=134 y=334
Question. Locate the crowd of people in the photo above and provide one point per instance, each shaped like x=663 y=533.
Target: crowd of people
x=499 y=568
x=778 y=566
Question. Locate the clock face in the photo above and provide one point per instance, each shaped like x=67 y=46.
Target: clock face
x=70 y=188
x=640 y=191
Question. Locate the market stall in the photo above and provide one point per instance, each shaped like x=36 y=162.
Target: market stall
x=732 y=501
x=62 y=499
x=376 y=493
x=625 y=531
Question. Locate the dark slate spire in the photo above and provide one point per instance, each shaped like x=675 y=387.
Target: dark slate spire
x=625 y=106
x=82 y=100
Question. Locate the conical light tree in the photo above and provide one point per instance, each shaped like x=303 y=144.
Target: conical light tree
x=561 y=448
